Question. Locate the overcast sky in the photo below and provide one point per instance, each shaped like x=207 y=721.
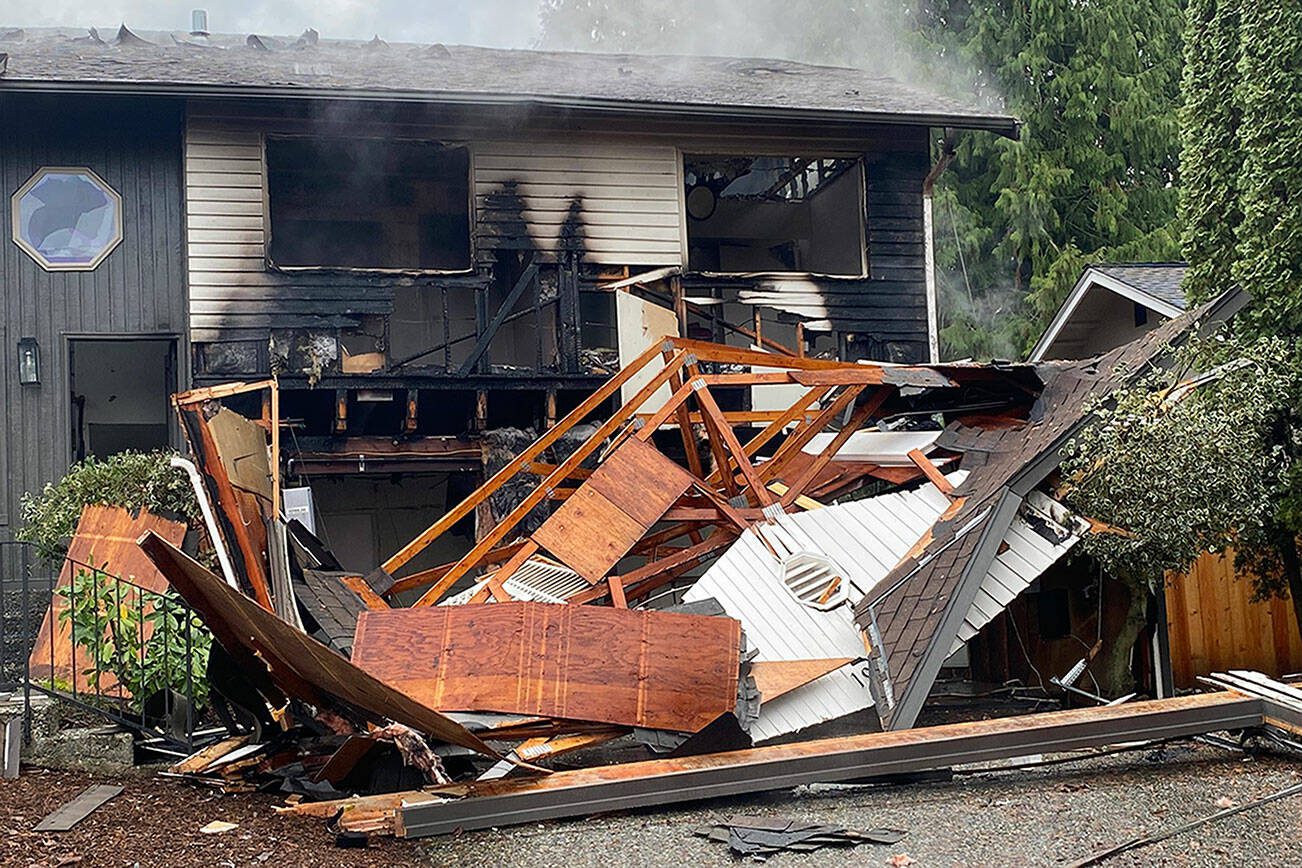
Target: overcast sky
x=504 y=23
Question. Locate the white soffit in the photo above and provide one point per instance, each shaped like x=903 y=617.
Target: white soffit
x=865 y=539
x=535 y=581
x=884 y=448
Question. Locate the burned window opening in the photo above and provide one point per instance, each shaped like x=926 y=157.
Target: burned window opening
x=755 y=214
x=368 y=204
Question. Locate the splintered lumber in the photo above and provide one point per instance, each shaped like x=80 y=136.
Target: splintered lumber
x=776 y=677
x=467 y=506
x=197 y=762
x=66 y=816
x=278 y=657
x=503 y=528
x=659 y=670
x=613 y=509
x=105 y=540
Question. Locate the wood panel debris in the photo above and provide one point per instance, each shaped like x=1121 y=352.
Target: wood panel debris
x=103 y=544
x=684 y=579
x=660 y=670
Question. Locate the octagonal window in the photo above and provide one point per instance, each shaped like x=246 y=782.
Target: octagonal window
x=67 y=219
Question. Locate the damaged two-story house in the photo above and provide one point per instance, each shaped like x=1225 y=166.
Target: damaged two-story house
x=426 y=242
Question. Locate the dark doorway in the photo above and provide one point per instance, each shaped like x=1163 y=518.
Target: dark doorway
x=119 y=391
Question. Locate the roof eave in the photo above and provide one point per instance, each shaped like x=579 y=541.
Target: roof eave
x=1003 y=125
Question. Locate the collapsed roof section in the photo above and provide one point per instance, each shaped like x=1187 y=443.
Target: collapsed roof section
x=922 y=602
x=794 y=611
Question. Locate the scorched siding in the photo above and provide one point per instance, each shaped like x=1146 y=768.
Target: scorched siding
x=621 y=201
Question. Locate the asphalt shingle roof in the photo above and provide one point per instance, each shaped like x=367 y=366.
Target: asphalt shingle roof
x=308 y=66
x=918 y=591
x=1158 y=279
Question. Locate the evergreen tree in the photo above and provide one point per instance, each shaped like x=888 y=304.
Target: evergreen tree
x=1209 y=129
x=1093 y=178
x=1269 y=89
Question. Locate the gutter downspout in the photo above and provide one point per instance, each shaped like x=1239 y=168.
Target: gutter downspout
x=929 y=242
x=208 y=521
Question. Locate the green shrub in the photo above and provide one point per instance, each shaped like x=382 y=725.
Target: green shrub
x=133 y=480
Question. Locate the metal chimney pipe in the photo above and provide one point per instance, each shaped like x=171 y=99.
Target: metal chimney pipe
x=199 y=22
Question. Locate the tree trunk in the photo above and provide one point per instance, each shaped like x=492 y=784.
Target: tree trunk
x=1117 y=677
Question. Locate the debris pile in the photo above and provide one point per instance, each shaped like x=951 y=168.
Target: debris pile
x=661 y=612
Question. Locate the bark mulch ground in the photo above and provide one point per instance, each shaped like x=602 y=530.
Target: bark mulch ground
x=156 y=822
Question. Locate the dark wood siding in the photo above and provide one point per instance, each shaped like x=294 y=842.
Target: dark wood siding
x=887 y=312
x=139 y=289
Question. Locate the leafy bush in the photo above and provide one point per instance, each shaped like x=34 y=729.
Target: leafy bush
x=133 y=480
x=138 y=636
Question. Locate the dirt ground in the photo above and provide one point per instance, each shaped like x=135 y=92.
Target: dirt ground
x=1046 y=816
x=156 y=822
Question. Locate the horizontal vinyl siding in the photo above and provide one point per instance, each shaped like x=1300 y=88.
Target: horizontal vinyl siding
x=225 y=232
x=233 y=296
x=626 y=199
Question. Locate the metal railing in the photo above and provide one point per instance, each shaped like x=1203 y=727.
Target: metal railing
x=105 y=645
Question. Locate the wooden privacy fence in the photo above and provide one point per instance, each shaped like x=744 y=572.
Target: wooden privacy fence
x=1215 y=625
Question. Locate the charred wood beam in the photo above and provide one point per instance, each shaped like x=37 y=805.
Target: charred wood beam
x=446 y=381
x=568 y=285
x=447 y=344
x=489 y=331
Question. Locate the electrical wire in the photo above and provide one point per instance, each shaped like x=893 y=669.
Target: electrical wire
x=1026 y=654
x=962 y=262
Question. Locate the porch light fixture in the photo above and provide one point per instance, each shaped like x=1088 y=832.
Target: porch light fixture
x=29 y=362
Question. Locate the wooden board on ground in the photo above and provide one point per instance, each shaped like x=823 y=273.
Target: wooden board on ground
x=200 y=760
x=629 y=667
x=613 y=509
x=65 y=817
x=105 y=538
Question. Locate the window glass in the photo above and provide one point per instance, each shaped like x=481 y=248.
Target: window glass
x=67 y=218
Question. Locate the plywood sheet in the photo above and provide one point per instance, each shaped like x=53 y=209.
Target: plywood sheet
x=613 y=509
x=242 y=446
x=106 y=538
x=629 y=667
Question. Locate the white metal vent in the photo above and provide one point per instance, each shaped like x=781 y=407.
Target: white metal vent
x=535 y=581
x=814 y=580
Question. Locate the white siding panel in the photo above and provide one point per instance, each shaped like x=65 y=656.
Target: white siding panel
x=629 y=193
x=230 y=288
x=865 y=539
x=629 y=196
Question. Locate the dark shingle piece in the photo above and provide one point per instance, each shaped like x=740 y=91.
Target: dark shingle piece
x=332 y=605
x=1010 y=459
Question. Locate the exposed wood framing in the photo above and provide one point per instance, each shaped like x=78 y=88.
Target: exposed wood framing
x=595 y=527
